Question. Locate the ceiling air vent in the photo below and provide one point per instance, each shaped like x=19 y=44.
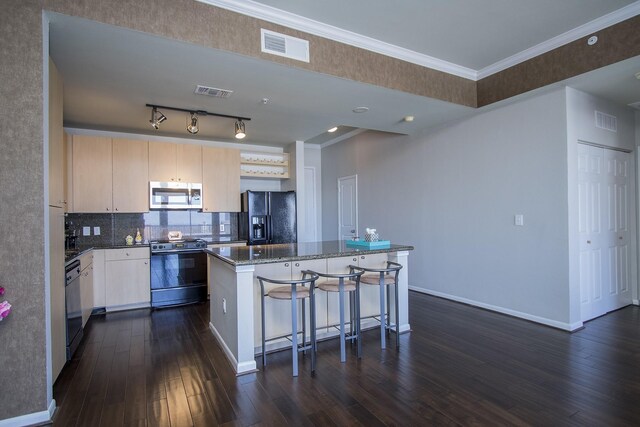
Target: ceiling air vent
x=606 y=121
x=213 y=91
x=283 y=45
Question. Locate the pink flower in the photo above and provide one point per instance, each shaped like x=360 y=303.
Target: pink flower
x=1 y=290
x=5 y=309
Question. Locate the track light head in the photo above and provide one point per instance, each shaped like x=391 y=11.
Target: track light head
x=240 y=133
x=156 y=118
x=192 y=126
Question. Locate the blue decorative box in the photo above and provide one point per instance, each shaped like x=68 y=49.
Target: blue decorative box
x=368 y=245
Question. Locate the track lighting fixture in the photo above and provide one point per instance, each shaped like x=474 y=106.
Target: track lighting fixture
x=156 y=118
x=192 y=119
x=240 y=129
x=192 y=125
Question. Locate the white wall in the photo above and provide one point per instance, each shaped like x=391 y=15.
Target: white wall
x=453 y=193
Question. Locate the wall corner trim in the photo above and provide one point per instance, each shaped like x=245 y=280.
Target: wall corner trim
x=30 y=419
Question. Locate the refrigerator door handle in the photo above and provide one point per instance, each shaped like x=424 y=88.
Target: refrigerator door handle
x=269 y=224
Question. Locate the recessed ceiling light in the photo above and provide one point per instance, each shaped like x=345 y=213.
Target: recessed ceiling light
x=333 y=129
x=408 y=118
x=361 y=109
x=592 y=40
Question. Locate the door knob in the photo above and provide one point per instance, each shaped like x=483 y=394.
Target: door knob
x=589 y=242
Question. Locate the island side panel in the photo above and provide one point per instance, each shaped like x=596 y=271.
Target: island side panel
x=231 y=288
x=402 y=258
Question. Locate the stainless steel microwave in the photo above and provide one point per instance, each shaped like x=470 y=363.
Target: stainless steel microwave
x=175 y=195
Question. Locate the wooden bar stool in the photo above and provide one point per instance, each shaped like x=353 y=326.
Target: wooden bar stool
x=293 y=290
x=341 y=283
x=384 y=278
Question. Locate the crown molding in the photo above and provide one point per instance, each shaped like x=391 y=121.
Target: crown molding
x=290 y=20
x=287 y=19
x=589 y=28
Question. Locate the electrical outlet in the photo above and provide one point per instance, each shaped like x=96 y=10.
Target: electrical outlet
x=96 y=231
x=222 y=228
x=86 y=231
x=519 y=219
x=224 y=305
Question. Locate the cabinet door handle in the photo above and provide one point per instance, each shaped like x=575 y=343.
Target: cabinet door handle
x=297 y=264
x=127 y=253
x=286 y=264
x=107 y=208
x=179 y=179
x=362 y=257
x=146 y=262
x=355 y=259
x=116 y=208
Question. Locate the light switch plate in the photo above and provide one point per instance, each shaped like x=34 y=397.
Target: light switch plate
x=86 y=231
x=519 y=219
x=222 y=228
x=96 y=231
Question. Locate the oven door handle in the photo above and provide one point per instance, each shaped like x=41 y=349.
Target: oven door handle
x=178 y=251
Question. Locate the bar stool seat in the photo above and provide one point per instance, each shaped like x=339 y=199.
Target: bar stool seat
x=374 y=279
x=341 y=283
x=294 y=290
x=284 y=292
x=384 y=278
x=334 y=286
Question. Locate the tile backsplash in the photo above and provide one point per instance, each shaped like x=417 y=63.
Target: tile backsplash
x=153 y=225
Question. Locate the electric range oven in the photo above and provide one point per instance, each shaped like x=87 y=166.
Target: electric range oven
x=178 y=272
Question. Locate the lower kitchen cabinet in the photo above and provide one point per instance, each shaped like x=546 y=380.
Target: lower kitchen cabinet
x=127 y=278
x=99 y=292
x=86 y=286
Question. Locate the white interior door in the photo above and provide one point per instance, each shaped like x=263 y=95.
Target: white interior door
x=310 y=210
x=347 y=207
x=604 y=227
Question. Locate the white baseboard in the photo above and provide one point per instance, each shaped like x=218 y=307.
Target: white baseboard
x=240 y=368
x=30 y=419
x=537 y=319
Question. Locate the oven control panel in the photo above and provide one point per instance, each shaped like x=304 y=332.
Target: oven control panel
x=178 y=246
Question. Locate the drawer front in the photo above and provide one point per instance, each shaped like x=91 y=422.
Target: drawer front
x=126 y=253
x=222 y=245
x=86 y=260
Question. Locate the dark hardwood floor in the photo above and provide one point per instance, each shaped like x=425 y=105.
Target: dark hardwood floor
x=459 y=366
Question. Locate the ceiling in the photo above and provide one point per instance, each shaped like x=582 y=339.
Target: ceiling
x=110 y=73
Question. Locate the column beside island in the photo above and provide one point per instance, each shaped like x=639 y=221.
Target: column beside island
x=234 y=293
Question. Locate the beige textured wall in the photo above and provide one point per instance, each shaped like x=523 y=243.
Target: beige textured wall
x=22 y=334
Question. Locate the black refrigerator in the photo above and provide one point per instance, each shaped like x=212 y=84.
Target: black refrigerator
x=268 y=217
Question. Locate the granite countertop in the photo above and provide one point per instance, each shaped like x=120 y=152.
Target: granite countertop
x=283 y=252
x=71 y=255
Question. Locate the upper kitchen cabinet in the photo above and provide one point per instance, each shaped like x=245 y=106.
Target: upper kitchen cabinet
x=169 y=162
x=221 y=179
x=56 y=139
x=130 y=175
x=91 y=174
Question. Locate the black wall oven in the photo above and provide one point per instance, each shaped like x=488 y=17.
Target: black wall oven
x=178 y=273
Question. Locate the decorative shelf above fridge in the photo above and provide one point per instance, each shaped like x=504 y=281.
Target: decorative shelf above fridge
x=264 y=165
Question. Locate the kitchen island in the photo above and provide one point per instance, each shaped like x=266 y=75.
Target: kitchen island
x=235 y=292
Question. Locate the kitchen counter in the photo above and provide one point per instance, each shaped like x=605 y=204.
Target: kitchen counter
x=265 y=254
x=72 y=255
x=235 y=292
